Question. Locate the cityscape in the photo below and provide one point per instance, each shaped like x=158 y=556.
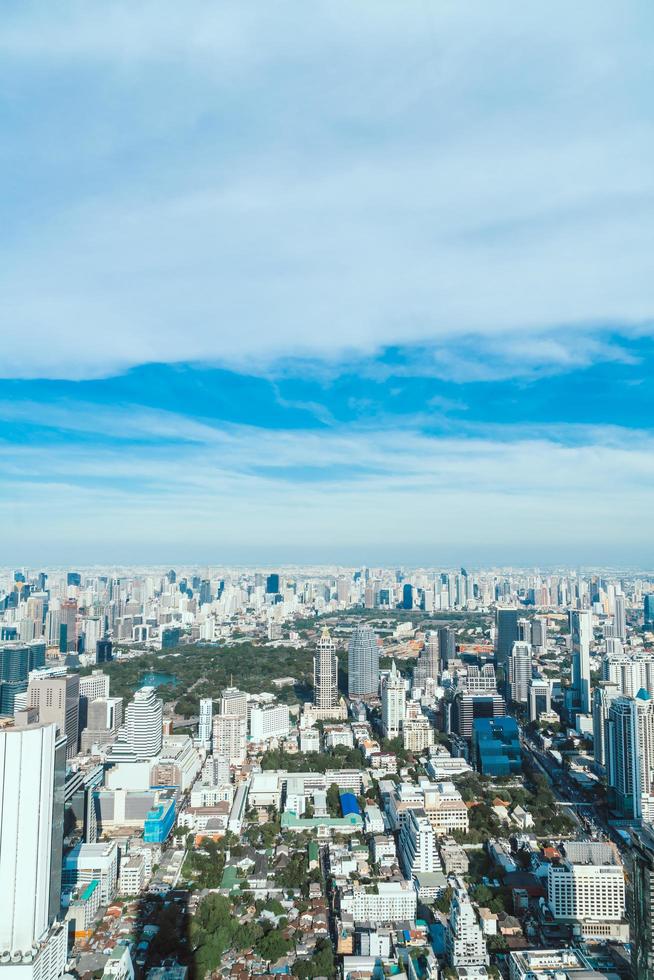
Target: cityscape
x=326 y=490
x=322 y=772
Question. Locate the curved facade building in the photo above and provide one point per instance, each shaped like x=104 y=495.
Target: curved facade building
x=363 y=663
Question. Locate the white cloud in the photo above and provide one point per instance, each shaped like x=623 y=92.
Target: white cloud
x=368 y=175
x=344 y=493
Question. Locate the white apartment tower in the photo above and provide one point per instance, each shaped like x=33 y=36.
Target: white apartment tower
x=393 y=702
x=464 y=940
x=519 y=672
x=588 y=885
x=417 y=845
x=205 y=721
x=325 y=673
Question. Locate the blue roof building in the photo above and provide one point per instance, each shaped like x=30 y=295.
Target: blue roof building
x=349 y=804
x=159 y=820
x=496 y=746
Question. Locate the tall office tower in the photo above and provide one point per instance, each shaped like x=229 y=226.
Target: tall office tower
x=363 y=663
x=407 y=596
x=620 y=617
x=603 y=695
x=524 y=631
x=33 y=944
x=540 y=698
x=272 y=584
x=539 y=633
x=92 y=686
x=648 y=609
x=234 y=702
x=641 y=903
x=104 y=718
x=205 y=721
x=464 y=940
x=14 y=673
x=466 y=708
x=68 y=626
x=325 y=673
x=447 y=644
x=588 y=884
x=142 y=733
x=506 y=622
x=432 y=656
x=57 y=700
x=630 y=756
x=393 y=702
x=230 y=738
x=519 y=672
x=581 y=632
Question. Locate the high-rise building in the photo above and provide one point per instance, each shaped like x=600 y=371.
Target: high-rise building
x=603 y=695
x=393 y=702
x=519 y=672
x=506 y=625
x=272 y=584
x=363 y=663
x=14 y=673
x=466 y=708
x=141 y=736
x=104 y=651
x=540 y=697
x=325 y=673
x=418 y=848
x=620 y=617
x=205 y=721
x=648 y=609
x=588 y=884
x=629 y=671
x=269 y=721
x=630 y=756
x=641 y=904
x=234 y=702
x=32 y=772
x=407 y=596
x=230 y=738
x=57 y=700
x=446 y=644
x=581 y=632
x=68 y=626
x=464 y=940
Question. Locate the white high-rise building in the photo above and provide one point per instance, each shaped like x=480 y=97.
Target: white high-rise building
x=519 y=672
x=393 y=702
x=234 y=702
x=540 y=697
x=581 y=632
x=229 y=738
x=205 y=721
x=630 y=672
x=141 y=736
x=94 y=685
x=269 y=721
x=464 y=940
x=417 y=845
x=32 y=773
x=630 y=756
x=588 y=885
x=363 y=663
x=325 y=673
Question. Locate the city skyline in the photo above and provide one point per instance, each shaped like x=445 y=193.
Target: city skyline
x=388 y=273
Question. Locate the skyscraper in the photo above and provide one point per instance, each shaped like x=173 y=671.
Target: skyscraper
x=325 y=673
x=506 y=622
x=363 y=663
x=603 y=696
x=272 y=584
x=393 y=702
x=464 y=940
x=620 y=617
x=57 y=700
x=519 y=672
x=630 y=756
x=205 y=721
x=32 y=772
x=141 y=736
x=407 y=597
x=447 y=644
x=581 y=632
x=641 y=884
x=648 y=609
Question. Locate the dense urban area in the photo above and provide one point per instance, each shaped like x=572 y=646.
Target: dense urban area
x=326 y=772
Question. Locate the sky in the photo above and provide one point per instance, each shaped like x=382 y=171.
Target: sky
x=331 y=282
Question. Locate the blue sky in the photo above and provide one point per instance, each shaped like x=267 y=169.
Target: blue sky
x=317 y=282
